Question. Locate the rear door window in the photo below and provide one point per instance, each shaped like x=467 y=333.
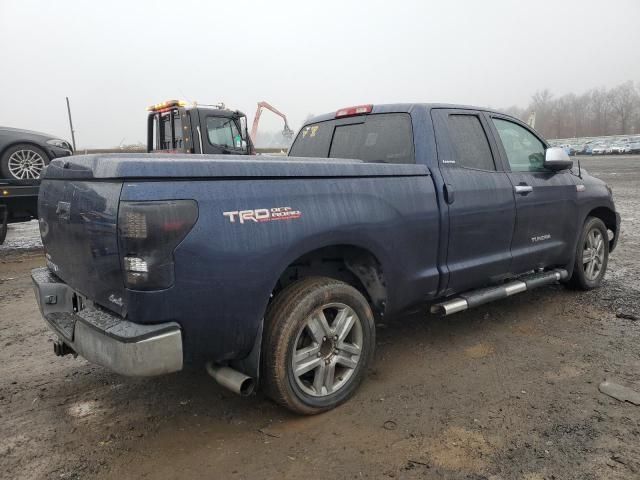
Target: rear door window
x=385 y=138
x=469 y=142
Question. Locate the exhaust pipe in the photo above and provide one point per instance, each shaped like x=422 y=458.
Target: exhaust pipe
x=486 y=295
x=232 y=379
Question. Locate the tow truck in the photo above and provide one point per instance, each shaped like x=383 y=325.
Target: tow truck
x=18 y=203
x=175 y=126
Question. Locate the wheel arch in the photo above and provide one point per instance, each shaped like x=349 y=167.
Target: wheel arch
x=608 y=217
x=354 y=264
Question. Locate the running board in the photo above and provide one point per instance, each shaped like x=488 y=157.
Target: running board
x=485 y=295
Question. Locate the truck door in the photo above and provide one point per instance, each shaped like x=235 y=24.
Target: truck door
x=546 y=201
x=479 y=198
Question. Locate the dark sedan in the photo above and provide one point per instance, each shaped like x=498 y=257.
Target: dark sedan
x=24 y=154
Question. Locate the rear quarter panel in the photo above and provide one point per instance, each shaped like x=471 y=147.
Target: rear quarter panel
x=225 y=272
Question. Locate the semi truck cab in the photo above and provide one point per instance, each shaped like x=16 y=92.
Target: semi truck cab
x=175 y=126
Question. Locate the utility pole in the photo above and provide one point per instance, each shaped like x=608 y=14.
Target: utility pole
x=73 y=133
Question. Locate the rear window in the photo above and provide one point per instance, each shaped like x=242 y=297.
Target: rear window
x=167 y=131
x=385 y=138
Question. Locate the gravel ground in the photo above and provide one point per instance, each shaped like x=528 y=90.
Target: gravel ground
x=505 y=391
x=21 y=237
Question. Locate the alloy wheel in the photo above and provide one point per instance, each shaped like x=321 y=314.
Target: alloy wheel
x=593 y=254
x=26 y=164
x=327 y=350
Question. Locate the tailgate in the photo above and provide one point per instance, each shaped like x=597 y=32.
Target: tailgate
x=78 y=224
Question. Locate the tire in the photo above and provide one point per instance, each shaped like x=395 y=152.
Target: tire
x=592 y=255
x=294 y=324
x=23 y=162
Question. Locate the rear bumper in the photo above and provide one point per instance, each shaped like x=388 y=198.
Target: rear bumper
x=103 y=338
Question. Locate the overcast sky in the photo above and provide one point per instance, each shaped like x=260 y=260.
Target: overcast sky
x=116 y=57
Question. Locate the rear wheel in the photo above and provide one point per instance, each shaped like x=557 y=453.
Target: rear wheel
x=592 y=255
x=23 y=162
x=319 y=339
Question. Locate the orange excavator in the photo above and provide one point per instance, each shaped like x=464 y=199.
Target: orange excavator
x=286 y=132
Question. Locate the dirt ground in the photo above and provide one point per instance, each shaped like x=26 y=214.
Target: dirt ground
x=506 y=391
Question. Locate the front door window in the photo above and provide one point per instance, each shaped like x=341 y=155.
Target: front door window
x=222 y=131
x=524 y=151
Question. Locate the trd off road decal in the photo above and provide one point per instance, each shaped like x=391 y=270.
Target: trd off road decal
x=259 y=215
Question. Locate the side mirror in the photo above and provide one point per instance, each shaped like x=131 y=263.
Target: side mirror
x=556 y=159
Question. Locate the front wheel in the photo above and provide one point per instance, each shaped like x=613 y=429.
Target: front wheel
x=319 y=339
x=592 y=255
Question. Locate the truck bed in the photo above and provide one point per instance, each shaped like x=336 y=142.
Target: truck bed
x=130 y=166
x=380 y=208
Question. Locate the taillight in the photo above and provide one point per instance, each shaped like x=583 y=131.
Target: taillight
x=148 y=233
x=351 y=111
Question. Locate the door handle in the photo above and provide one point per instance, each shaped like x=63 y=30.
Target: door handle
x=449 y=197
x=523 y=189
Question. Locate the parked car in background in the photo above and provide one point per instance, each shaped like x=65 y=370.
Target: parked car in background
x=619 y=148
x=597 y=145
x=23 y=156
x=613 y=148
x=634 y=147
x=571 y=149
x=600 y=149
x=586 y=147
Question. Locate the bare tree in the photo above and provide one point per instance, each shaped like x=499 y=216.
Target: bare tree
x=542 y=104
x=517 y=112
x=624 y=100
x=594 y=113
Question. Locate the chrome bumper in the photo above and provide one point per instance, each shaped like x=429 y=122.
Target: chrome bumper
x=103 y=338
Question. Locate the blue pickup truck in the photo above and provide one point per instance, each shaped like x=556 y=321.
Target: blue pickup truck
x=275 y=269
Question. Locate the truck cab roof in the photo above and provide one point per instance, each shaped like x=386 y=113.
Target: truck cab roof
x=404 y=108
x=221 y=112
